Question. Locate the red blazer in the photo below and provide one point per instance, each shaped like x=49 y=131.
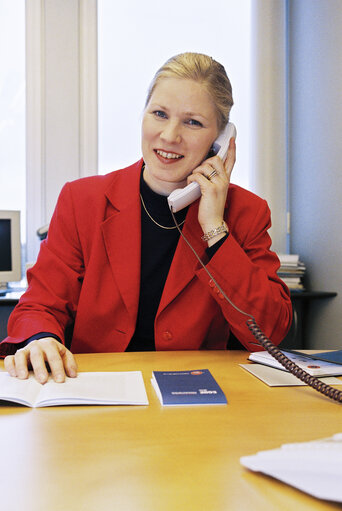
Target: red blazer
x=85 y=283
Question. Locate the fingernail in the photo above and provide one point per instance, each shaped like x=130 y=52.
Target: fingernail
x=59 y=378
x=41 y=377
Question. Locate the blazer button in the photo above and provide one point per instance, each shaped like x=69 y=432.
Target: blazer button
x=219 y=294
x=211 y=283
x=167 y=336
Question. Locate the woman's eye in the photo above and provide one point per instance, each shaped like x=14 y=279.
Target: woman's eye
x=193 y=122
x=160 y=113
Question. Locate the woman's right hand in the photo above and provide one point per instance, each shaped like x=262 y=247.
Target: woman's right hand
x=36 y=354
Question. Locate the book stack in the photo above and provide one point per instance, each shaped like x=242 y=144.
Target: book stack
x=291 y=271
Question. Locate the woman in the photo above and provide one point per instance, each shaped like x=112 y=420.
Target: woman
x=114 y=274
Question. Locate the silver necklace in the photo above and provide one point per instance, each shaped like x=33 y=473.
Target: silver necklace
x=153 y=220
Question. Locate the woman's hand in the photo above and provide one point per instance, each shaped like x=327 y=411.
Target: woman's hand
x=60 y=360
x=214 y=189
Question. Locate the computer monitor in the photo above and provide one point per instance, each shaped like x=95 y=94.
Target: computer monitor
x=10 y=248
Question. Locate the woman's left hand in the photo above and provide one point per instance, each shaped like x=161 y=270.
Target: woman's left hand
x=214 y=189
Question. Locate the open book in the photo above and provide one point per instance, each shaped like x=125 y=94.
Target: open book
x=105 y=388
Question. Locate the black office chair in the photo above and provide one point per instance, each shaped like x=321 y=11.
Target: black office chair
x=42 y=232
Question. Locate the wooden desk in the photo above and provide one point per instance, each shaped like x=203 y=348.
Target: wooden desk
x=153 y=458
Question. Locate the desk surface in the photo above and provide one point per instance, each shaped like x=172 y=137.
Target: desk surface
x=152 y=458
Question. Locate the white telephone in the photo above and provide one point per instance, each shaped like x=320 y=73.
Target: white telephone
x=182 y=197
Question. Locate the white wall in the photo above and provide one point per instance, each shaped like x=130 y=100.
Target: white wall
x=316 y=157
x=268 y=113
x=12 y=108
x=61 y=90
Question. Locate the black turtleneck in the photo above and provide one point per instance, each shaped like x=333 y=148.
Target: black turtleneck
x=158 y=246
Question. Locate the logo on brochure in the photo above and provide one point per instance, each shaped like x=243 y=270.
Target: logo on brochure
x=196 y=373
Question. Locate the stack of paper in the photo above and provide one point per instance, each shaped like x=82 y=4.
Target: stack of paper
x=313 y=467
x=275 y=378
x=312 y=366
x=291 y=271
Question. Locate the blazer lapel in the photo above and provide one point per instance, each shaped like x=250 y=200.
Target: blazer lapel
x=185 y=263
x=122 y=235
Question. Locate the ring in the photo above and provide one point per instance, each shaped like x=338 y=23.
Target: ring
x=211 y=175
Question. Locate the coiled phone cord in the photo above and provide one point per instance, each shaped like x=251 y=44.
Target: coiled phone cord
x=263 y=341
x=297 y=371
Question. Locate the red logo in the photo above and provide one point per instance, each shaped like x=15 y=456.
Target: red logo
x=196 y=373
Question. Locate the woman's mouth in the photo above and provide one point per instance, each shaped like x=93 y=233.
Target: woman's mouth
x=166 y=156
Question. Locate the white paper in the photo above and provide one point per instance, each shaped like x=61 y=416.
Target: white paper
x=277 y=378
x=313 y=467
x=96 y=388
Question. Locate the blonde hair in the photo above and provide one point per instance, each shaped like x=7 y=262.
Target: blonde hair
x=202 y=69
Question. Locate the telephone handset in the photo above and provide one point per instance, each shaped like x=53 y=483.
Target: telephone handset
x=182 y=197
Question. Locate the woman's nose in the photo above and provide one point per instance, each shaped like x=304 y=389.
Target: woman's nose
x=171 y=133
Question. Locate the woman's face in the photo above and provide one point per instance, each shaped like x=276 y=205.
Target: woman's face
x=178 y=129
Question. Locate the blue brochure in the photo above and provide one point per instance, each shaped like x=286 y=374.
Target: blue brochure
x=335 y=357
x=330 y=356
x=196 y=387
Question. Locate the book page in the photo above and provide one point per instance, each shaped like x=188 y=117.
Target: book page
x=23 y=392
x=98 y=388
x=126 y=388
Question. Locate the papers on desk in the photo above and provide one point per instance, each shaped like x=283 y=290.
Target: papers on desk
x=329 y=356
x=105 y=388
x=276 y=378
x=313 y=467
x=196 y=387
x=312 y=367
